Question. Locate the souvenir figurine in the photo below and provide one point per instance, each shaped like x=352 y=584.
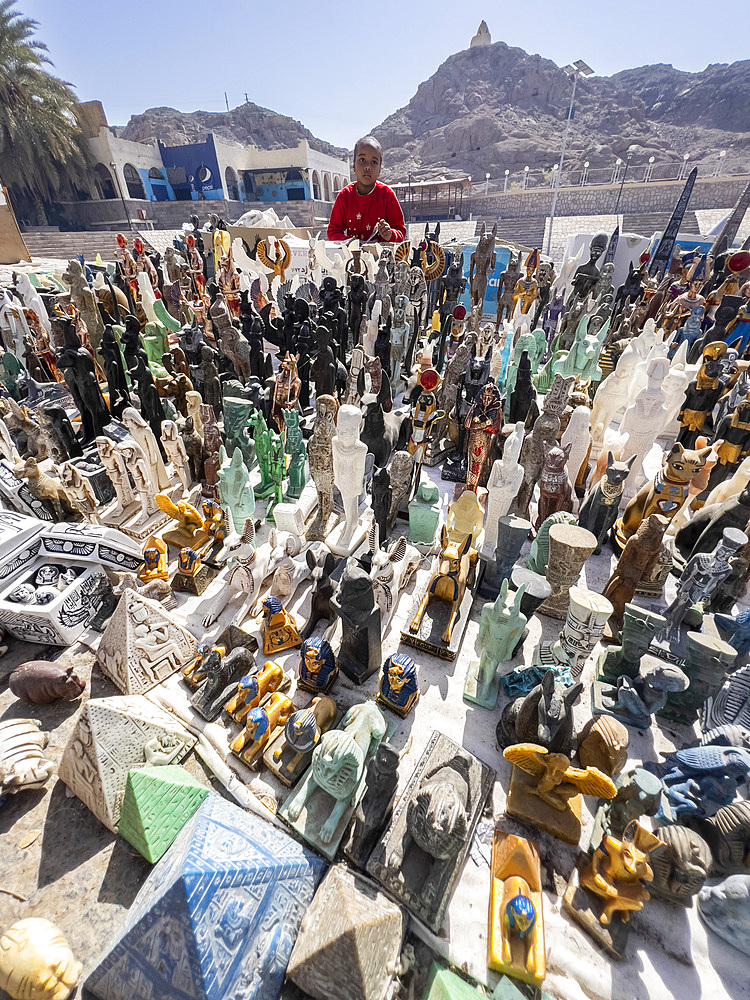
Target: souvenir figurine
x=639 y=627
x=505 y=288
x=546 y=428
x=192 y=576
x=470 y=383
x=639 y=793
x=600 y=508
x=702 y=395
x=322 y=590
x=249 y=568
x=193 y=443
x=41 y=682
x=515 y=942
x=603 y=743
x=208 y=699
x=635 y=700
x=725 y=909
x=698 y=781
x=703 y=573
x=288 y=756
x=260 y=725
x=318 y=669
x=545 y=790
x=44 y=488
x=36 y=961
x=512 y=533
x=400 y=476
x=728 y=836
x=80 y=492
x=543 y=717
x=704 y=530
x=323 y=803
x=235 y=490
x=707 y=662
x=501 y=627
x=611 y=885
x=680 y=865
x=391 y=571
x=294 y=446
x=555 y=490
x=436 y=817
x=569 y=548
x=360 y=653
x=424 y=515
x=502 y=485
x=252 y=689
x=584 y=623
x=398 y=689
x=376 y=806
x=24 y=765
x=348 y=460
x=448 y=583
x=189 y=532
x=526 y=289
x=638 y=559
x=538 y=556
x=483 y=421
x=665 y=495
x=733 y=431
x=176 y=454
x=279 y=628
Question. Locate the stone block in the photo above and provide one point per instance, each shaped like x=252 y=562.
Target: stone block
x=442 y=984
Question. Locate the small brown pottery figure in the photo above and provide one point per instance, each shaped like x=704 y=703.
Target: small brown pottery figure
x=555 y=490
x=638 y=559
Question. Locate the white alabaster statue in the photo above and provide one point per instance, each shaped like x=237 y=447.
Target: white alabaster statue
x=611 y=398
x=733 y=486
x=136 y=464
x=675 y=387
x=175 y=449
x=503 y=484
x=644 y=420
x=578 y=436
x=144 y=438
x=349 y=455
x=658 y=349
x=117 y=470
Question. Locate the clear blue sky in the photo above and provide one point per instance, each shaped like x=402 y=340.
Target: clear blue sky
x=340 y=68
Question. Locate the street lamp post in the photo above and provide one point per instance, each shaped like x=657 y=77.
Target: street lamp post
x=683 y=167
x=505 y=182
x=616 y=171
x=649 y=169
x=122 y=198
x=486 y=183
x=585 y=174
x=525 y=177
x=628 y=158
x=579 y=68
x=554 y=175
x=719 y=162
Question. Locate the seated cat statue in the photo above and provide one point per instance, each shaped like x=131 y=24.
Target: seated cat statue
x=600 y=508
x=666 y=493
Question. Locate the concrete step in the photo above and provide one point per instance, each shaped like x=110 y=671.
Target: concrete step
x=647 y=223
x=67 y=245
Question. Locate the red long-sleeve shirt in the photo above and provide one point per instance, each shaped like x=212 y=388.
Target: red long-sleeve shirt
x=357 y=214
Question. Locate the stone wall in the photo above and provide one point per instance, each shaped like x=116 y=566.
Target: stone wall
x=658 y=196
x=110 y=214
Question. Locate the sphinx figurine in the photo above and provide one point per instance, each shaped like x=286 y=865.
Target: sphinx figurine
x=324 y=801
x=318 y=669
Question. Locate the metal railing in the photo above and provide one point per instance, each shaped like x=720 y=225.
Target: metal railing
x=632 y=173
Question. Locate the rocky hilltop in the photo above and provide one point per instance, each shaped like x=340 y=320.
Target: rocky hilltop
x=493 y=107
x=245 y=124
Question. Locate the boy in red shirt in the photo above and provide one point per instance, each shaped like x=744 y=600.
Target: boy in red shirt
x=367 y=210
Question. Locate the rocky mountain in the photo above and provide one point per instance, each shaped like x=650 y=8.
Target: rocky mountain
x=493 y=107
x=247 y=123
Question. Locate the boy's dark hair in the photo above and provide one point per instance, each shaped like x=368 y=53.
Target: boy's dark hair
x=368 y=140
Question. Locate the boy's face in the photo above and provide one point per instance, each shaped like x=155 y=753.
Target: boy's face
x=367 y=164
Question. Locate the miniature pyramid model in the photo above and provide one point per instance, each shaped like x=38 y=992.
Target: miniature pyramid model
x=218 y=915
x=112 y=736
x=143 y=644
x=352 y=926
x=158 y=802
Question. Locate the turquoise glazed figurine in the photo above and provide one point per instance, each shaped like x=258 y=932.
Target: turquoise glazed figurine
x=398 y=688
x=501 y=627
x=235 y=490
x=424 y=515
x=317 y=666
x=295 y=448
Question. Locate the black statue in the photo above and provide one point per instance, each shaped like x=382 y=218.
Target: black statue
x=360 y=655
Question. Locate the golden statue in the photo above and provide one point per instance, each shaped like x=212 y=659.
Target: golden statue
x=618 y=869
x=527 y=289
x=189 y=532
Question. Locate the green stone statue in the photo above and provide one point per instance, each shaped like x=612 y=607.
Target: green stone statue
x=639 y=627
x=276 y=470
x=295 y=448
x=10 y=368
x=262 y=437
x=501 y=626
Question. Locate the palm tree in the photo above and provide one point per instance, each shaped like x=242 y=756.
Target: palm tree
x=41 y=145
